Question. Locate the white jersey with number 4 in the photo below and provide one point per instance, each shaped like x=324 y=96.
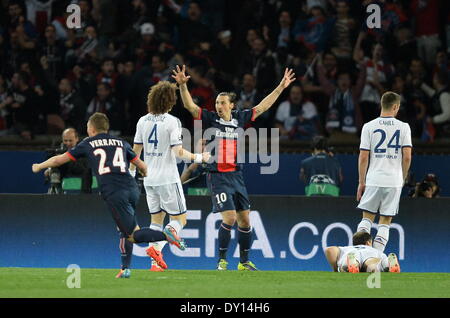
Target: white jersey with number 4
x=385 y=137
x=158 y=134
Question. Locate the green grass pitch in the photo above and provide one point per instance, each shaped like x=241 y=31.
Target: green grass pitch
x=51 y=282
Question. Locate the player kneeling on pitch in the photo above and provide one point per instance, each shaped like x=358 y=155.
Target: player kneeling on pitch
x=361 y=257
x=109 y=158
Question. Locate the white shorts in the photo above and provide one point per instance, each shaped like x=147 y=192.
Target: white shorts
x=365 y=254
x=381 y=199
x=168 y=198
x=361 y=255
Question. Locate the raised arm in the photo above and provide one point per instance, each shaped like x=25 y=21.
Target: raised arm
x=181 y=79
x=269 y=100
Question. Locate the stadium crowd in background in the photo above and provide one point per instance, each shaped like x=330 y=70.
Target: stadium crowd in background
x=53 y=77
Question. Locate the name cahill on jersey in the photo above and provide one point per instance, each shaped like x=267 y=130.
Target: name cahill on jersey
x=386 y=122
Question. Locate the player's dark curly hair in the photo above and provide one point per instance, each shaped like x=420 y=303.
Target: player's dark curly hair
x=361 y=238
x=161 y=97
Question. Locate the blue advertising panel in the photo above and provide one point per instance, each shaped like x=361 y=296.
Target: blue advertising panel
x=284 y=182
x=290 y=233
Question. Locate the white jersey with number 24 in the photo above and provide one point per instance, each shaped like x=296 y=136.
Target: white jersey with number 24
x=385 y=137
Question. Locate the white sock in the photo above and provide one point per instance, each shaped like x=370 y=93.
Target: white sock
x=160 y=244
x=176 y=225
x=384 y=264
x=364 y=226
x=382 y=237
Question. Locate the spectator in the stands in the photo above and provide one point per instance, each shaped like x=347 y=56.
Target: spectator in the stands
x=314 y=31
x=440 y=102
x=23 y=106
x=404 y=50
x=106 y=103
x=426 y=14
x=321 y=173
x=108 y=73
x=146 y=46
x=343 y=110
x=192 y=29
x=159 y=67
x=413 y=111
x=4 y=118
x=283 y=35
x=297 y=117
x=54 y=52
x=72 y=107
x=224 y=59
x=248 y=96
x=378 y=73
x=343 y=31
x=261 y=64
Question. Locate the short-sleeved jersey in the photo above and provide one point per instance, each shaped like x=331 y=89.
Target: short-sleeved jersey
x=109 y=158
x=365 y=252
x=158 y=134
x=225 y=137
x=385 y=137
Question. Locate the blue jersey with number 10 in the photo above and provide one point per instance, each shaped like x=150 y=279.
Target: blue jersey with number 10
x=109 y=158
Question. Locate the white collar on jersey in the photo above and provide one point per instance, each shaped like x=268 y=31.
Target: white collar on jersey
x=233 y=122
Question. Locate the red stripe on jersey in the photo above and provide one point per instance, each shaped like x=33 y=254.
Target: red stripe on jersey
x=227 y=155
x=199 y=114
x=134 y=159
x=253 y=114
x=70 y=156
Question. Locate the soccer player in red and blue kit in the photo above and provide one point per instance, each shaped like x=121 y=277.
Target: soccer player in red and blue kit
x=224 y=178
x=109 y=158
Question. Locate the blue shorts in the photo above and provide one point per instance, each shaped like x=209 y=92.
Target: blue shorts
x=228 y=191
x=122 y=205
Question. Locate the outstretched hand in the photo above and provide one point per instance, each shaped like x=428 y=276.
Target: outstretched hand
x=180 y=75
x=288 y=78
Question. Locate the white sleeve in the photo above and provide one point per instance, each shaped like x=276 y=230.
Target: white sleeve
x=445 y=106
x=309 y=110
x=175 y=133
x=407 y=142
x=138 y=136
x=365 y=139
x=282 y=112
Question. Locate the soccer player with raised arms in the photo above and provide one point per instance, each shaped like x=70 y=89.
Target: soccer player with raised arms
x=383 y=164
x=224 y=178
x=109 y=158
x=158 y=134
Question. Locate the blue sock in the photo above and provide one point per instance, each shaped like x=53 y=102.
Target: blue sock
x=245 y=242
x=224 y=239
x=146 y=235
x=126 y=251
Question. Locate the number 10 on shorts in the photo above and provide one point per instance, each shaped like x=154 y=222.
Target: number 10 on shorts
x=221 y=198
